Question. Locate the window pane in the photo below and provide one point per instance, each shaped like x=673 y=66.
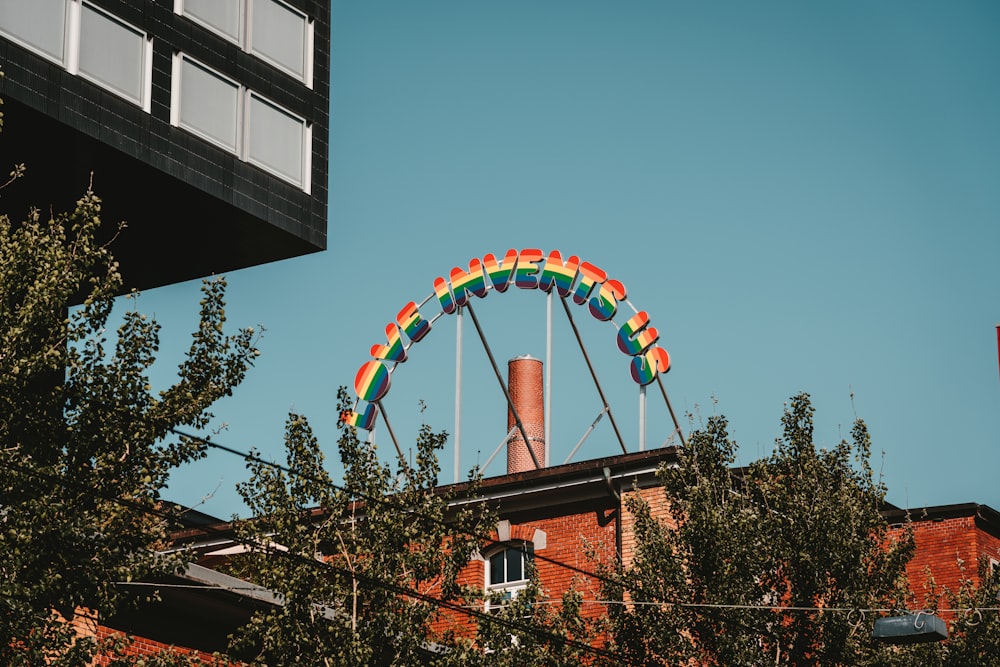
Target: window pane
x=223 y=15
x=275 y=139
x=515 y=571
x=496 y=569
x=209 y=104
x=279 y=34
x=40 y=23
x=111 y=52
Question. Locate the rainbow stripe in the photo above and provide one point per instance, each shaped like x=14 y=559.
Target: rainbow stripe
x=590 y=275
x=500 y=272
x=633 y=336
x=443 y=293
x=605 y=304
x=372 y=381
x=364 y=420
x=462 y=283
x=559 y=273
x=526 y=273
x=646 y=366
x=413 y=324
x=394 y=350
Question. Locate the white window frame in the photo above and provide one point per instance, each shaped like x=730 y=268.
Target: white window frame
x=146 y=56
x=241 y=22
x=510 y=588
x=18 y=39
x=305 y=137
x=242 y=150
x=245 y=36
x=175 y=103
x=71 y=52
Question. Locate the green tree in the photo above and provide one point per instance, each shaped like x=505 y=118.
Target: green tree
x=973 y=622
x=363 y=567
x=531 y=630
x=85 y=443
x=762 y=565
x=368 y=569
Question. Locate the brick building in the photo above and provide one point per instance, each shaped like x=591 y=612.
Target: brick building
x=563 y=518
x=951 y=540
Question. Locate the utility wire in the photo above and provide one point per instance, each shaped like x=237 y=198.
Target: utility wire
x=388 y=503
x=371 y=582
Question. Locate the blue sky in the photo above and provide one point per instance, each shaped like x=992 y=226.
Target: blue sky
x=803 y=196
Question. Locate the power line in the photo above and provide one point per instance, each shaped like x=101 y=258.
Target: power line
x=368 y=581
x=387 y=502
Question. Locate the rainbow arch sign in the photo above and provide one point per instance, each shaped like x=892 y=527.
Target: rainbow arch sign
x=582 y=283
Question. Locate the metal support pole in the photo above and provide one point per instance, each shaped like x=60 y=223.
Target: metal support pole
x=586 y=434
x=548 y=377
x=670 y=408
x=642 y=418
x=458 y=394
x=503 y=443
x=503 y=387
x=399 y=451
x=586 y=357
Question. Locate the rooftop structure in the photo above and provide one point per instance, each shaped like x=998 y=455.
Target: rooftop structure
x=202 y=123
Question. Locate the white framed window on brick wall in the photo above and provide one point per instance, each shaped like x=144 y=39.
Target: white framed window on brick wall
x=508 y=569
x=256 y=129
x=85 y=40
x=272 y=30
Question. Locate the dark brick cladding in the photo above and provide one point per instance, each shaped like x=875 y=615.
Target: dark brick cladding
x=181 y=195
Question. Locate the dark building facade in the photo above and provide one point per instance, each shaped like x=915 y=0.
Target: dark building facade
x=204 y=125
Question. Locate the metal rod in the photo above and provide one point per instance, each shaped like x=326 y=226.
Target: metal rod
x=458 y=394
x=503 y=387
x=399 y=451
x=586 y=357
x=642 y=418
x=670 y=408
x=548 y=377
x=496 y=451
x=586 y=434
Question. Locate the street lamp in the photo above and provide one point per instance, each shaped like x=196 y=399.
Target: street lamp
x=910 y=629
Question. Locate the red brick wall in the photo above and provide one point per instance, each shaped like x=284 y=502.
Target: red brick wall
x=566 y=541
x=140 y=646
x=658 y=506
x=947 y=550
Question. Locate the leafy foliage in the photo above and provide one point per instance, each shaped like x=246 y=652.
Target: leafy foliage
x=973 y=634
x=359 y=565
x=85 y=444
x=530 y=630
x=762 y=565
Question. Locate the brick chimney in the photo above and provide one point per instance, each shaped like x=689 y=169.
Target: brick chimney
x=524 y=381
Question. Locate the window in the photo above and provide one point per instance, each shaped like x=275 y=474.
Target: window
x=223 y=16
x=239 y=120
x=279 y=35
x=113 y=54
x=208 y=103
x=39 y=25
x=84 y=40
x=275 y=139
x=507 y=572
x=270 y=29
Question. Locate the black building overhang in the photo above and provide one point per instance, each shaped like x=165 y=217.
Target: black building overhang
x=192 y=208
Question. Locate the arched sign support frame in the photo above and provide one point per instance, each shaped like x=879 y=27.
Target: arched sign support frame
x=582 y=281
